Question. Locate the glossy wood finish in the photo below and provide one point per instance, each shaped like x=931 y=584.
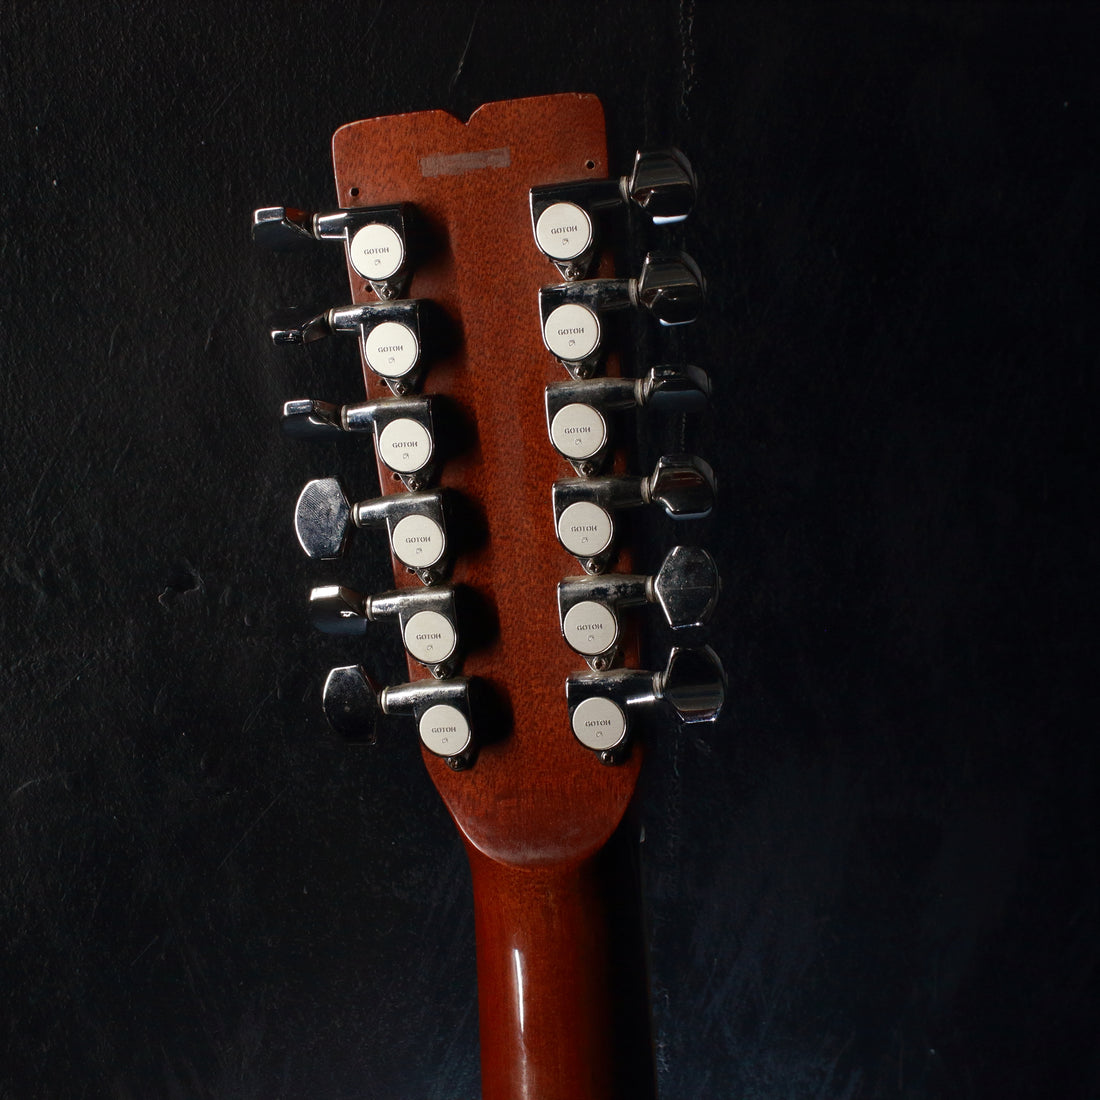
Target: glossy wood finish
x=537 y=808
x=564 y=1005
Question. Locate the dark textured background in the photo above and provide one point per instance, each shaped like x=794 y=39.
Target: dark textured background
x=877 y=875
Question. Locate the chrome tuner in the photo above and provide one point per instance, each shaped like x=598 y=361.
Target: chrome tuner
x=391 y=335
x=670 y=286
x=375 y=237
x=414 y=521
x=683 y=485
x=686 y=589
x=576 y=409
x=600 y=703
x=426 y=616
x=354 y=706
x=662 y=184
x=403 y=432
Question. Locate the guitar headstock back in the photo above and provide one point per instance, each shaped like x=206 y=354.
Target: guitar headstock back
x=534 y=795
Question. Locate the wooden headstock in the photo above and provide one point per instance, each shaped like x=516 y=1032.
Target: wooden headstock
x=536 y=796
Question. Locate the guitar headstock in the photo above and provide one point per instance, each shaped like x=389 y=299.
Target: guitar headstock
x=477 y=274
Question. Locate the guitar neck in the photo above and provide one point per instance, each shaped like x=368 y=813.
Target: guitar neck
x=563 y=990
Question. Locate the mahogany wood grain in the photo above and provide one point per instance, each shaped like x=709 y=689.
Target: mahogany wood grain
x=537 y=807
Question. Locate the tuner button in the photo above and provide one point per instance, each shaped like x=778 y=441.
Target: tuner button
x=322 y=518
x=686 y=586
x=282 y=229
x=350 y=703
x=337 y=610
x=572 y=332
x=445 y=730
x=684 y=485
x=309 y=419
x=578 y=431
x=564 y=231
x=376 y=251
x=585 y=529
x=294 y=325
x=430 y=637
x=590 y=628
x=391 y=349
x=671 y=287
x=599 y=723
x=694 y=684
x=405 y=445
x=679 y=387
x=663 y=185
x=418 y=541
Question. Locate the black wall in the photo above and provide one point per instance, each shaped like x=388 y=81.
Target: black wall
x=876 y=876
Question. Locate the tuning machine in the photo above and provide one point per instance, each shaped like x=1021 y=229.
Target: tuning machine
x=414 y=521
x=391 y=335
x=693 y=684
x=670 y=286
x=683 y=485
x=443 y=710
x=427 y=618
x=403 y=432
x=576 y=409
x=661 y=183
x=375 y=238
x=686 y=589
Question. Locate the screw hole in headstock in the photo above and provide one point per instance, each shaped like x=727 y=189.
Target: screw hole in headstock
x=354 y=192
x=590 y=164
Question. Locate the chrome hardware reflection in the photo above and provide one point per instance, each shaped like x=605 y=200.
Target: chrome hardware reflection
x=375 y=239
x=684 y=485
x=404 y=434
x=427 y=619
x=414 y=522
x=354 y=706
x=661 y=183
x=686 y=589
x=575 y=408
x=670 y=286
x=392 y=335
x=693 y=686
